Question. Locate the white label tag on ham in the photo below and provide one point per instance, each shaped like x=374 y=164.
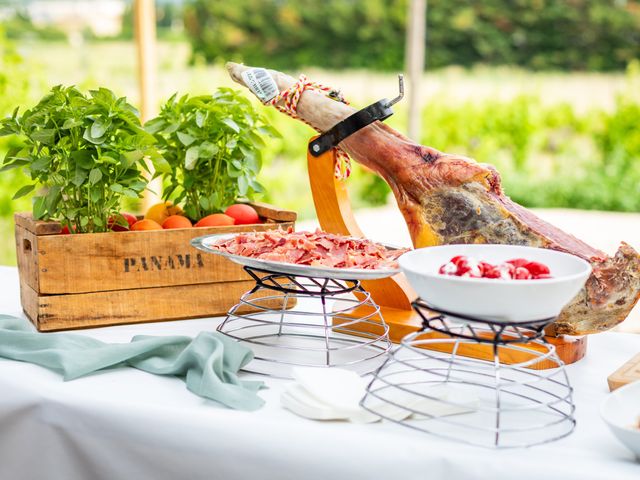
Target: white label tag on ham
x=260 y=82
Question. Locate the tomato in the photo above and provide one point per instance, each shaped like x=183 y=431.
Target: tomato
x=515 y=269
x=521 y=273
x=536 y=268
x=243 y=214
x=518 y=262
x=215 y=220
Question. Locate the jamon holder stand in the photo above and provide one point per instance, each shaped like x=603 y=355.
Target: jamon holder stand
x=394 y=294
x=321 y=331
x=505 y=402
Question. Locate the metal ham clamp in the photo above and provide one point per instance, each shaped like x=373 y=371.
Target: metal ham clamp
x=380 y=110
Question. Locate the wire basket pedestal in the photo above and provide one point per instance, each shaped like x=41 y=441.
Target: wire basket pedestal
x=279 y=320
x=495 y=402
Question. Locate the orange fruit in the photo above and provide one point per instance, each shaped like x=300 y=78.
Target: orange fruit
x=177 y=221
x=215 y=220
x=161 y=211
x=243 y=214
x=146 y=224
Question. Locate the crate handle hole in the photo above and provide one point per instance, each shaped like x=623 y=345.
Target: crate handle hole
x=26 y=245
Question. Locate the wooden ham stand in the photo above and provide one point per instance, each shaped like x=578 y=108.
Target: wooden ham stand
x=394 y=294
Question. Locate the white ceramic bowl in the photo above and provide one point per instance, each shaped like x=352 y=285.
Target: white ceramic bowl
x=494 y=299
x=621 y=411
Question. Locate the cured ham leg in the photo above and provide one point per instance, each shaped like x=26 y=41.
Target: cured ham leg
x=448 y=199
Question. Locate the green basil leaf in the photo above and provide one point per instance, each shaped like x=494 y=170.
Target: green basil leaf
x=87 y=136
x=191 y=157
x=45 y=136
x=185 y=138
x=160 y=163
x=231 y=143
x=207 y=150
x=154 y=125
x=71 y=123
x=129 y=158
x=256 y=186
x=80 y=176
x=41 y=163
x=171 y=128
x=83 y=158
x=53 y=198
x=95 y=175
x=243 y=185
x=26 y=190
x=200 y=118
x=39 y=209
x=231 y=123
x=233 y=171
x=13 y=164
x=95 y=195
x=116 y=187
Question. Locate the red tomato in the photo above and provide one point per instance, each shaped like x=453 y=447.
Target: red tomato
x=537 y=268
x=521 y=273
x=491 y=273
x=243 y=214
x=518 y=262
x=216 y=220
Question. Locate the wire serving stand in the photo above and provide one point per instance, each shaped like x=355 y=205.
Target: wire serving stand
x=282 y=336
x=496 y=402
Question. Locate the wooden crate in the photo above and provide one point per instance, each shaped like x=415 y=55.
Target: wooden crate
x=98 y=279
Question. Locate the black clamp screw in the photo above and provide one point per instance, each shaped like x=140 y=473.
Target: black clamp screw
x=381 y=110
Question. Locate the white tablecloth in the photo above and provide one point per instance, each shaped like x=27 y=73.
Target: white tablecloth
x=127 y=424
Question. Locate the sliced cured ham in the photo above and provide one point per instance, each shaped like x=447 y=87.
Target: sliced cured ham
x=449 y=199
x=318 y=249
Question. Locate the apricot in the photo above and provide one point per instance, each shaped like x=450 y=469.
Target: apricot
x=177 y=221
x=243 y=214
x=146 y=224
x=215 y=220
x=161 y=211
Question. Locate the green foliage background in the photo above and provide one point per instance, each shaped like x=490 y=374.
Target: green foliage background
x=540 y=34
x=552 y=151
x=548 y=155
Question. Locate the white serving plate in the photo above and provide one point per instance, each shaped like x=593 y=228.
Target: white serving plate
x=621 y=411
x=204 y=243
x=494 y=299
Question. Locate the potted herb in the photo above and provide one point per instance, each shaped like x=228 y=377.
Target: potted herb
x=212 y=146
x=87 y=152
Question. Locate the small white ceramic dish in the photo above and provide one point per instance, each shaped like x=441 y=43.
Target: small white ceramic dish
x=494 y=299
x=621 y=411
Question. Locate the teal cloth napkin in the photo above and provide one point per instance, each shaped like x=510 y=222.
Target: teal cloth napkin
x=208 y=363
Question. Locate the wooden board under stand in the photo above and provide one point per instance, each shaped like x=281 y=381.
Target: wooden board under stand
x=627 y=373
x=97 y=279
x=394 y=295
